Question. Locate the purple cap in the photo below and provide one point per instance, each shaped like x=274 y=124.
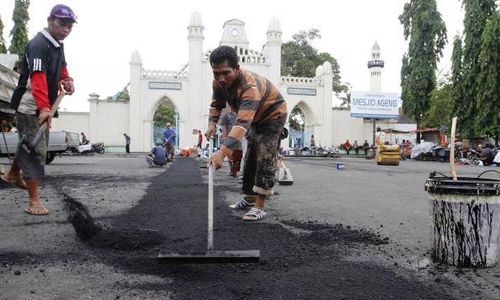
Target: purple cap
x=62 y=11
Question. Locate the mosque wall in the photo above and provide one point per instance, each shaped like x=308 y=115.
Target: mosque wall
x=72 y=122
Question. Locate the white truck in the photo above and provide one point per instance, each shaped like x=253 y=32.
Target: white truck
x=59 y=142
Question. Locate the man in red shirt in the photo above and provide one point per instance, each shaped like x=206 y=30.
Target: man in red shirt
x=44 y=67
x=347 y=146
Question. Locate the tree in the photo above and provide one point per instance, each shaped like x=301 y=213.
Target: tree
x=163 y=115
x=439 y=113
x=297 y=119
x=19 y=32
x=457 y=95
x=422 y=23
x=488 y=81
x=477 y=13
x=3 y=48
x=299 y=58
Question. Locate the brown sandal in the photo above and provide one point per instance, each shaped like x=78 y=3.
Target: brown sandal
x=19 y=181
x=37 y=210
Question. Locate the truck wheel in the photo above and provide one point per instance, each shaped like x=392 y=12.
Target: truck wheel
x=50 y=157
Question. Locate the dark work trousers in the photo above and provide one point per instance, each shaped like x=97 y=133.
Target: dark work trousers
x=261 y=157
x=27 y=126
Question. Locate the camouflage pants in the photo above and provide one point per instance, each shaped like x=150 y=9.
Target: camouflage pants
x=261 y=157
x=27 y=127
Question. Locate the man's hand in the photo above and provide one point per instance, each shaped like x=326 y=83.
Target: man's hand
x=216 y=160
x=43 y=117
x=210 y=133
x=68 y=86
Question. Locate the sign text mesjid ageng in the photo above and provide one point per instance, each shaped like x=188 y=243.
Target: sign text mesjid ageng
x=373 y=105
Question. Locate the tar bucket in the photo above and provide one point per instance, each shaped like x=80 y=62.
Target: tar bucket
x=465 y=225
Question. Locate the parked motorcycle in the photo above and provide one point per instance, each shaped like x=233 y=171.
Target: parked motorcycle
x=90 y=149
x=98 y=148
x=329 y=152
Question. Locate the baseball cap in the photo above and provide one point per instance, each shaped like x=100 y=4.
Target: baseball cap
x=62 y=11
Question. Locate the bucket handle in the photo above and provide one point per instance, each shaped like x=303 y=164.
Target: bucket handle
x=433 y=174
x=487 y=172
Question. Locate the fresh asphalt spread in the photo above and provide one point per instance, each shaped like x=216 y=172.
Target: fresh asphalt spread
x=305 y=262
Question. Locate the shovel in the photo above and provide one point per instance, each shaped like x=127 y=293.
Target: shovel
x=28 y=158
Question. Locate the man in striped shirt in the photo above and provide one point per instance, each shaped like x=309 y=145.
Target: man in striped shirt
x=261 y=114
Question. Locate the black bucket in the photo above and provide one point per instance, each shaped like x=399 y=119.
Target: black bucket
x=465 y=219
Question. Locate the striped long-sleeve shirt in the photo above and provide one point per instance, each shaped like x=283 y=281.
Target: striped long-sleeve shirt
x=254 y=98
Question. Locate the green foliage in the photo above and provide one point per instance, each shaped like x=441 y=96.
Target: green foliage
x=3 y=48
x=163 y=115
x=122 y=96
x=477 y=13
x=439 y=113
x=19 y=32
x=457 y=97
x=299 y=58
x=423 y=25
x=488 y=81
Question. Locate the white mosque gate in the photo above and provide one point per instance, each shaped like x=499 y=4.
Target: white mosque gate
x=189 y=90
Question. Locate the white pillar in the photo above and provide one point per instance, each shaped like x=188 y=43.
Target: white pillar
x=273 y=51
x=93 y=133
x=135 y=130
x=326 y=137
x=197 y=102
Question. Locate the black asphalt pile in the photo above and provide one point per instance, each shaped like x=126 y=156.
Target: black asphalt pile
x=327 y=234
x=98 y=236
x=308 y=265
x=79 y=216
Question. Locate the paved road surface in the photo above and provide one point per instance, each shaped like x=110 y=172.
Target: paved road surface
x=379 y=251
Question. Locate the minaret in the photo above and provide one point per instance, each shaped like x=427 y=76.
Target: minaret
x=272 y=50
x=375 y=65
x=135 y=110
x=196 y=101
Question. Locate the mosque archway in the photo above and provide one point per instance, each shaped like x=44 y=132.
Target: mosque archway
x=301 y=126
x=164 y=112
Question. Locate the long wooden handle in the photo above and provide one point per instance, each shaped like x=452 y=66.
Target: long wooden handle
x=210 y=233
x=55 y=106
x=43 y=127
x=452 y=151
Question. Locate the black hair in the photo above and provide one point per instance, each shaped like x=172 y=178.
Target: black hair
x=224 y=53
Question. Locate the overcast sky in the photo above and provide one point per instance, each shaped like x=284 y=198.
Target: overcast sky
x=99 y=48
